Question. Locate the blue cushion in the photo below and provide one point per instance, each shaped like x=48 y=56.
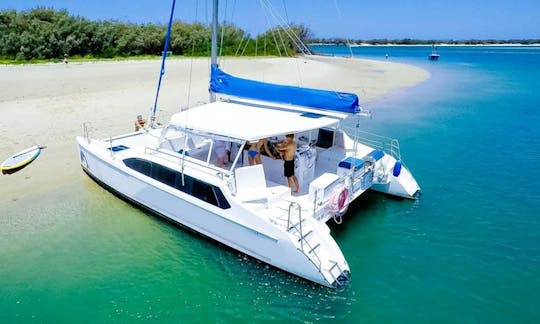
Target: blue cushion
x=348 y=163
x=375 y=154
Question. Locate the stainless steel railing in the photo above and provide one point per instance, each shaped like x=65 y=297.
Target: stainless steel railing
x=387 y=144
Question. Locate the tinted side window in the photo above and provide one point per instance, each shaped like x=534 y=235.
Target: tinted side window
x=204 y=192
x=142 y=166
x=196 y=188
x=163 y=174
x=184 y=183
x=222 y=201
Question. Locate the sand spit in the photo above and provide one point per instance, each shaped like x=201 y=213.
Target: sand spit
x=47 y=104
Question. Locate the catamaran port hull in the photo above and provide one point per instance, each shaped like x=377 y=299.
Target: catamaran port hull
x=254 y=237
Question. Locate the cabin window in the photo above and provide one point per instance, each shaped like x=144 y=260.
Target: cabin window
x=204 y=192
x=142 y=166
x=163 y=174
x=199 y=189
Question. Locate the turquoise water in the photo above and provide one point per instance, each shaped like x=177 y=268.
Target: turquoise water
x=467 y=251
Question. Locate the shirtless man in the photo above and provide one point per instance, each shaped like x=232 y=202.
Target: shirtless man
x=287 y=149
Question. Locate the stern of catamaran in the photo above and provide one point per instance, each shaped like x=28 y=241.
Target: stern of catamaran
x=382 y=155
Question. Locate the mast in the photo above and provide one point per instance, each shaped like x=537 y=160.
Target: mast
x=162 y=70
x=213 y=60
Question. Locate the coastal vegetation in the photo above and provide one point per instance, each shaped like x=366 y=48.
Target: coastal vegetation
x=44 y=34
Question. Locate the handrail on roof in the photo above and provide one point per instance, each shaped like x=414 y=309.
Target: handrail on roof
x=191 y=131
x=205 y=166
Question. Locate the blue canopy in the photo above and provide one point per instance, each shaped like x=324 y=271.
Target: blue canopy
x=221 y=82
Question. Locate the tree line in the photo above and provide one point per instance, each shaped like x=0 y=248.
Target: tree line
x=45 y=33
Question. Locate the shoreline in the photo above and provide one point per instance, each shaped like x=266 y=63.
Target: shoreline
x=47 y=104
x=427 y=45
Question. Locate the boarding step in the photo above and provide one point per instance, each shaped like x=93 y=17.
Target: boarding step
x=305 y=237
x=312 y=250
x=297 y=225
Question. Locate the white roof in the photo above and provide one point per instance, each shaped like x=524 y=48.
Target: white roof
x=252 y=121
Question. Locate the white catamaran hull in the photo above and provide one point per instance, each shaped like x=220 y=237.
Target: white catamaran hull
x=236 y=227
x=401 y=184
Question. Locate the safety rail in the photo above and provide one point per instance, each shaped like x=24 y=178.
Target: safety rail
x=90 y=131
x=206 y=167
x=303 y=238
x=289 y=227
x=387 y=144
x=86 y=128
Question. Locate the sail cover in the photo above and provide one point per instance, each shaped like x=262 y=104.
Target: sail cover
x=222 y=82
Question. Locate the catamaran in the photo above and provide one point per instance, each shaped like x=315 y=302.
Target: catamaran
x=173 y=170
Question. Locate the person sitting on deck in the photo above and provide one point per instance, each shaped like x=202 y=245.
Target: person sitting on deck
x=139 y=123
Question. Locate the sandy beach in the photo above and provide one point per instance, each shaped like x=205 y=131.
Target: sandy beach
x=47 y=104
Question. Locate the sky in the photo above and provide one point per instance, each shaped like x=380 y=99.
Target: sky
x=351 y=19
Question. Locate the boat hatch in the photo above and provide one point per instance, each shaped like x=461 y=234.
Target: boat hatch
x=118 y=148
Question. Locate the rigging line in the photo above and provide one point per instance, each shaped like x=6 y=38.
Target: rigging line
x=279 y=33
x=223 y=29
x=191 y=61
x=300 y=81
x=282 y=22
x=286 y=14
x=274 y=30
x=162 y=70
x=245 y=46
x=275 y=41
x=233 y=10
x=240 y=44
x=296 y=40
x=207 y=23
x=270 y=28
x=341 y=18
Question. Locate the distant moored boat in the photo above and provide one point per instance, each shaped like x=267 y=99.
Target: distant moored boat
x=434 y=56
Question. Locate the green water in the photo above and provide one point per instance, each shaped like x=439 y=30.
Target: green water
x=467 y=251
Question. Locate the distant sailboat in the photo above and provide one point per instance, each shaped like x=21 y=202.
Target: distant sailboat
x=434 y=56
